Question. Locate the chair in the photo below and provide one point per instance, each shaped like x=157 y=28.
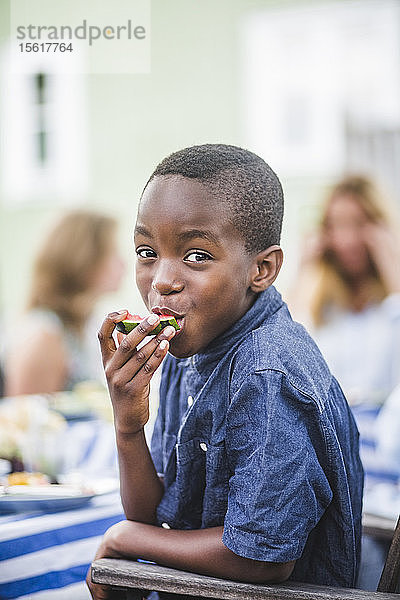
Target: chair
x=390 y=574
x=133 y=579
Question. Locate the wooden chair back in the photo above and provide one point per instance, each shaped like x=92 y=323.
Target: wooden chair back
x=389 y=580
x=134 y=579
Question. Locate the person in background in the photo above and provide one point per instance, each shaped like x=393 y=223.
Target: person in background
x=348 y=294
x=77 y=263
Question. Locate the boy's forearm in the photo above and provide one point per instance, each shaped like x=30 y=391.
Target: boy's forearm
x=141 y=488
x=129 y=371
x=199 y=551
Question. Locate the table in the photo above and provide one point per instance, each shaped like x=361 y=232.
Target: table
x=376 y=470
x=46 y=556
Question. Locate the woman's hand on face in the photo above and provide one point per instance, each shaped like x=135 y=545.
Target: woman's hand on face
x=313 y=246
x=384 y=248
x=129 y=369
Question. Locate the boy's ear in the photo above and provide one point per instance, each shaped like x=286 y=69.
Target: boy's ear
x=266 y=267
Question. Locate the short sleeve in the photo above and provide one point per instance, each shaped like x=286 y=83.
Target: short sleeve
x=391 y=306
x=38 y=321
x=278 y=490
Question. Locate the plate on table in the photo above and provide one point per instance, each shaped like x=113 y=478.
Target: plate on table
x=48 y=498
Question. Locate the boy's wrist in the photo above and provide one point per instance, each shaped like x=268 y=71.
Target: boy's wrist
x=127 y=435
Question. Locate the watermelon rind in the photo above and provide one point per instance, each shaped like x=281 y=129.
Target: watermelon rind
x=129 y=325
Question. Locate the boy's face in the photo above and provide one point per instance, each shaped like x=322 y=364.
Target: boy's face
x=191 y=262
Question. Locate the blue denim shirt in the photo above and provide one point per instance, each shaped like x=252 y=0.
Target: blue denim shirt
x=255 y=434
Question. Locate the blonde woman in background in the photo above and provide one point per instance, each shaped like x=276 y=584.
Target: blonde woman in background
x=77 y=263
x=348 y=292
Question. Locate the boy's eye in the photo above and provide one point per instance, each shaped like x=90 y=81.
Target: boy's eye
x=145 y=253
x=197 y=257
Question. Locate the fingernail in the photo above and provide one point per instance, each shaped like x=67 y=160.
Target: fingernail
x=163 y=344
x=152 y=319
x=168 y=331
x=121 y=312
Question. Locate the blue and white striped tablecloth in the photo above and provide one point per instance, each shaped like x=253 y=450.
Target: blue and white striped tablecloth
x=375 y=467
x=46 y=556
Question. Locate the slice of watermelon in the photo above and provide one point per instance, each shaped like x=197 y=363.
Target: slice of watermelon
x=127 y=325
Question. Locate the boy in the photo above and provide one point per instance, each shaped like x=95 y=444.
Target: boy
x=257 y=450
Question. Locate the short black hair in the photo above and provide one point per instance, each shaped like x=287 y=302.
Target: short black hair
x=249 y=187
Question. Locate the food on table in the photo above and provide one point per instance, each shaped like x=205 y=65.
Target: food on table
x=26 y=478
x=127 y=325
x=24 y=483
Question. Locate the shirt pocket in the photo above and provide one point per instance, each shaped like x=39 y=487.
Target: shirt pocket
x=215 y=501
x=202 y=482
x=190 y=480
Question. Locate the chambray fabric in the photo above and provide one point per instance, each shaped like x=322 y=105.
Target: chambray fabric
x=255 y=434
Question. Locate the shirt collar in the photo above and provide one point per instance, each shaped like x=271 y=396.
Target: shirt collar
x=266 y=304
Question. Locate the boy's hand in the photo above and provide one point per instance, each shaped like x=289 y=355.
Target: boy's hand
x=98 y=591
x=129 y=369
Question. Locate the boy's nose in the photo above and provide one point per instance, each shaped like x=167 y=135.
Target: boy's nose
x=164 y=287
x=166 y=282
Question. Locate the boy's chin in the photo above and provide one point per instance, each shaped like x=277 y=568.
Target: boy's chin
x=180 y=353
x=181 y=350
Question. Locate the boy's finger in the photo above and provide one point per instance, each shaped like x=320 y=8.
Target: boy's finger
x=105 y=335
x=129 y=343
x=131 y=359
x=146 y=372
x=143 y=357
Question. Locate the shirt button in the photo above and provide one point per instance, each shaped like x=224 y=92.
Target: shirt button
x=190 y=400
x=203 y=446
x=165 y=525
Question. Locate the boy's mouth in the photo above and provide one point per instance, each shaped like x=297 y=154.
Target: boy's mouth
x=164 y=310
